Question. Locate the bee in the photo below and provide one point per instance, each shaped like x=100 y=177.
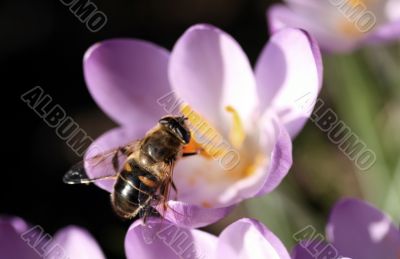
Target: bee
x=145 y=178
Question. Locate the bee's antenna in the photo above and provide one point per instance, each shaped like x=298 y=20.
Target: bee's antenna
x=182 y=119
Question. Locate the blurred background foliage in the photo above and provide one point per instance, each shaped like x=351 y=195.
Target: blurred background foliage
x=42 y=43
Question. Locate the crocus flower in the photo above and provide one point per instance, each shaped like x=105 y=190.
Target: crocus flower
x=253 y=111
x=19 y=240
x=243 y=239
x=355 y=230
x=340 y=25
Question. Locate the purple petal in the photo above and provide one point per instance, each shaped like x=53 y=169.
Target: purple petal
x=358 y=230
x=247 y=238
x=12 y=245
x=165 y=240
x=289 y=77
x=77 y=243
x=126 y=77
x=281 y=156
x=385 y=33
x=300 y=252
x=192 y=216
x=110 y=140
x=209 y=71
x=311 y=249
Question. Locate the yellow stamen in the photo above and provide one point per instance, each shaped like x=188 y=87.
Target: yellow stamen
x=208 y=138
x=354 y=3
x=349 y=29
x=204 y=135
x=237 y=133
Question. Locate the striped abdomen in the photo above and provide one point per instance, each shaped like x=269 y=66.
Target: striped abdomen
x=133 y=190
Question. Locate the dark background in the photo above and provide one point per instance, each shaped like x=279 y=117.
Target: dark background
x=43 y=43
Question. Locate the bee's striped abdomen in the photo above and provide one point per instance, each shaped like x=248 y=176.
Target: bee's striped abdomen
x=133 y=190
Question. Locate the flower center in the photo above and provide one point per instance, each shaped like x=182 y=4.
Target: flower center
x=207 y=138
x=212 y=145
x=230 y=159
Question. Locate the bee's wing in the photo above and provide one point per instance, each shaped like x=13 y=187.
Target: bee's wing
x=167 y=182
x=164 y=192
x=104 y=166
x=77 y=175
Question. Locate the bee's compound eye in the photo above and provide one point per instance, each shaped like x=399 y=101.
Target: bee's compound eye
x=183 y=134
x=176 y=126
x=178 y=132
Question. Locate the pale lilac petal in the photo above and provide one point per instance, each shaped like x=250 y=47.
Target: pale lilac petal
x=77 y=243
x=12 y=244
x=209 y=71
x=247 y=238
x=164 y=240
x=203 y=182
x=317 y=20
x=325 y=20
x=359 y=230
x=126 y=77
x=110 y=140
x=276 y=145
x=192 y=216
x=281 y=156
x=385 y=33
x=280 y=16
x=304 y=3
x=392 y=10
x=289 y=77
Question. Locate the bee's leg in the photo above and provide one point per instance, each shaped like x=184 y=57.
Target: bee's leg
x=145 y=218
x=144 y=214
x=192 y=148
x=190 y=154
x=123 y=150
x=115 y=162
x=157 y=197
x=151 y=212
x=175 y=189
x=161 y=198
x=115 y=159
x=148 y=212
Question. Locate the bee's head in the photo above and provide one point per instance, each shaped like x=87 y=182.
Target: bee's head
x=176 y=126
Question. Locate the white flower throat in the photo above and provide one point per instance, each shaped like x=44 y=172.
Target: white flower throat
x=239 y=154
